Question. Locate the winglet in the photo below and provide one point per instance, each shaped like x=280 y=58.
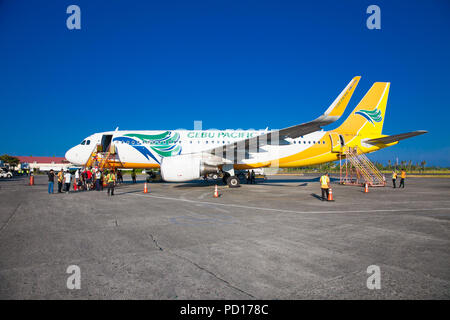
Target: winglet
x=337 y=108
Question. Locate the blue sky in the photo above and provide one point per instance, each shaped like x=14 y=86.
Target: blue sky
x=232 y=64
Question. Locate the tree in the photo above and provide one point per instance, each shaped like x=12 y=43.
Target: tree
x=10 y=160
x=423 y=164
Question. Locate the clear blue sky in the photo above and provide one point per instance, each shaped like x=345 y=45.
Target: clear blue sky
x=232 y=64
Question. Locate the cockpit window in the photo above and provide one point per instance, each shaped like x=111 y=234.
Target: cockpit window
x=88 y=142
x=83 y=142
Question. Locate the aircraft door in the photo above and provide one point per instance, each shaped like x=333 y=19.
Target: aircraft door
x=106 y=142
x=336 y=142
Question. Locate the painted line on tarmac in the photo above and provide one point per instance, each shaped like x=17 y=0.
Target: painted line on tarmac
x=283 y=210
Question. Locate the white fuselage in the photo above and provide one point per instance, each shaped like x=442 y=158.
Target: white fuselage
x=147 y=148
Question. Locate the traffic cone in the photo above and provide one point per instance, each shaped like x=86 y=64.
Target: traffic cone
x=366 y=188
x=216 y=192
x=75 y=186
x=145 y=188
x=330 y=195
x=31 y=180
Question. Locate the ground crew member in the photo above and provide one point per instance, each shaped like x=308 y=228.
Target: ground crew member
x=402 y=180
x=111 y=179
x=133 y=176
x=51 y=181
x=325 y=186
x=60 y=180
x=249 y=176
x=252 y=178
x=394 y=178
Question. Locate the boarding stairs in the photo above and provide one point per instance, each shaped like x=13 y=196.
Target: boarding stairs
x=359 y=170
x=108 y=159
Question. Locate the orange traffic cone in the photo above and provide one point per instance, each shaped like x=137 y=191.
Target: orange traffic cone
x=145 y=188
x=31 y=180
x=216 y=192
x=366 y=188
x=330 y=195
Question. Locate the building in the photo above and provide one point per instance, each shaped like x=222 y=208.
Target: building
x=42 y=163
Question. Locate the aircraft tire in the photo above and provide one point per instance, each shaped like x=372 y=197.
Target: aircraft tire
x=233 y=182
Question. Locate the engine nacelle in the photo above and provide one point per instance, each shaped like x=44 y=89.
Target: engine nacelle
x=184 y=168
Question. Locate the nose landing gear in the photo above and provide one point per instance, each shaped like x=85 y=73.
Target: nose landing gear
x=231 y=181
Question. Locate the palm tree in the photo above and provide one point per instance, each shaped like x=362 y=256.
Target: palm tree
x=423 y=164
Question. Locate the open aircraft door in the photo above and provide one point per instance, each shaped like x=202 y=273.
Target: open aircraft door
x=337 y=142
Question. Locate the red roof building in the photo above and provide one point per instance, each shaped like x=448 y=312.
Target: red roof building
x=42 y=163
x=47 y=160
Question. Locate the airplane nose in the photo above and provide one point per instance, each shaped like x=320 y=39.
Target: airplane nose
x=71 y=156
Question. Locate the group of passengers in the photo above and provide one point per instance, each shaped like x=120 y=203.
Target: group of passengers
x=85 y=179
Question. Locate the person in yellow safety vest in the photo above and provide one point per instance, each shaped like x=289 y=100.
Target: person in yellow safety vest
x=325 y=186
x=402 y=180
x=111 y=180
x=394 y=178
x=60 y=180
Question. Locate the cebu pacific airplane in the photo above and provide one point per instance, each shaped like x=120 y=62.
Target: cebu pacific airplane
x=184 y=155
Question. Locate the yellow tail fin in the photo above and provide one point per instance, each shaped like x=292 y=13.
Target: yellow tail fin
x=368 y=117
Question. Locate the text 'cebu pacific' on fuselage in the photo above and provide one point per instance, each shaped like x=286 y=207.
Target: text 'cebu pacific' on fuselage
x=184 y=155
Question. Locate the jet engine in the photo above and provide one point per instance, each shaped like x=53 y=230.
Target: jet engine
x=184 y=168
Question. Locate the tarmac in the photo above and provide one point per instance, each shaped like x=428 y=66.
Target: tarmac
x=272 y=240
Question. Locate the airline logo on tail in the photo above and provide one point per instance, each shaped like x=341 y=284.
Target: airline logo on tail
x=371 y=115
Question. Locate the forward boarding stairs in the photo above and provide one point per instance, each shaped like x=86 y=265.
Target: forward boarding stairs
x=104 y=156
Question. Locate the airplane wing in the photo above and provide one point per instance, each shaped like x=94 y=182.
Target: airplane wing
x=395 y=137
x=332 y=114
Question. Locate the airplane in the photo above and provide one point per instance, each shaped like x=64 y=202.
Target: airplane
x=185 y=155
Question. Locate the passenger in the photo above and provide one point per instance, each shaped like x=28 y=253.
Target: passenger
x=51 y=181
x=77 y=176
x=111 y=179
x=88 y=179
x=133 y=175
x=60 y=180
x=249 y=177
x=67 y=179
x=402 y=180
x=394 y=178
x=102 y=178
x=253 y=178
x=325 y=186
x=98 y=177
